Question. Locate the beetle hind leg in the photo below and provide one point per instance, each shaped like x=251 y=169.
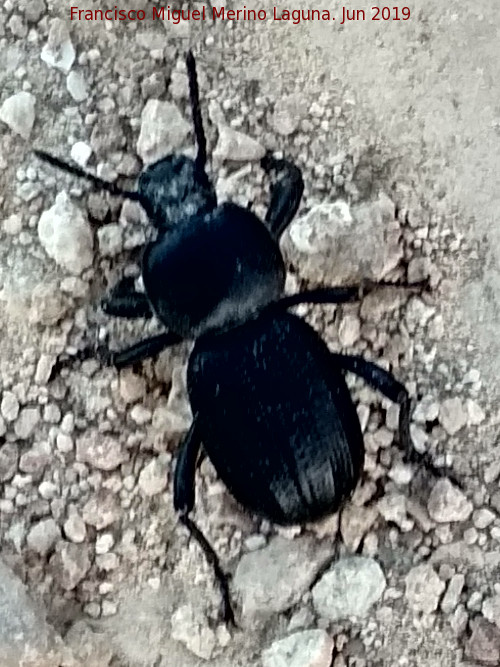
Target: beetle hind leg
x=184 y=480
x=383 y=381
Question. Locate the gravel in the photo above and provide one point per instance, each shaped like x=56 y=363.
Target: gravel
x=66 y=236
x=163 y=130
x=349 y=588
x=87 y=454
x=237 y=147
x=274 y=578
x=18 y=112
x=423 y=588
x=311 y=648
x=448 y=503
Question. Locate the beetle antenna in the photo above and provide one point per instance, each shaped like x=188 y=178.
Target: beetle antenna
x=112 y=188
x=194 y=98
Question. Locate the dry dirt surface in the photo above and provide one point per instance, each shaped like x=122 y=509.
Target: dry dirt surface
x=396 y=126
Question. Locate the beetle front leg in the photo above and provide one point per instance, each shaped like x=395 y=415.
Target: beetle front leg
x=123 y=300
x=184 y=498
x=383 y=381
x=286 y=193
x=144 y=349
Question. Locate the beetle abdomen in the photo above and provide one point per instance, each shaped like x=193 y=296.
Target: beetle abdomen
x=276 y=418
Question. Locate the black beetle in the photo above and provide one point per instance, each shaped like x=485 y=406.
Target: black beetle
x=270 y=403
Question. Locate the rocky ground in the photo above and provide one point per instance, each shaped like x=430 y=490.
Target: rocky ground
x=395 y=127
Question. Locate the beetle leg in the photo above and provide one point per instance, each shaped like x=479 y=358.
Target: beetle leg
x=125 y=301
x=286 y=193
x=184 y=480
x=141 y=350
x=383 y=381
x=346 y=294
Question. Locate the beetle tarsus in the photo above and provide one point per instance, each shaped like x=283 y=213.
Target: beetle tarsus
x=212 y=558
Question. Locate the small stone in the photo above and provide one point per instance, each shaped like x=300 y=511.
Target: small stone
x=107 y=562
x=13 y=224
x=153 y=85
x=104 y=543
x=163 y=130
x=392 y=507
x=80 y=153
x=66 y=235
x=274 y=578
x=44 y=369
x=71 y=562
x=101 y=452
x=175 y=417
x=423 y=588
x=109 y=608
x=310 y=648
x=419 y=269
x=191 y=628
x=401 y=473
x=110 y=239
x=459 y=620
x=328 y=244
x=27 y=421
x=355 y=523
x=482 y=518
x=349 y=330
x=472 y=376
x=59 y=51
x=25 y=635
x=48 y=490
x=287 y=115
x=447 y=503
x=153 y=477
x=77 y=86
x=492 y=472
x=484 y=642
x=9 y=455
x=452 y=415
x=491 y=609
x=475 y=414
x=349 y=588
x=452 y=596
x=254 y=542
x=33 y=10
x=9 y=406
x=101 y=510
x=75 y=529
x=92 y=609
x=426 y=410
x=178 y=87
x=140 y=415
x=18 y=112
x=48 y=304
x=52 y=413
x=64 y=443
x=43 y=536
x=132 y=387
x=237 y=147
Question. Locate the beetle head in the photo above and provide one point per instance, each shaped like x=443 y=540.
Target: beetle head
x=174 y=189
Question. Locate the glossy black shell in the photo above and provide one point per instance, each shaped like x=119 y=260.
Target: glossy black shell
x=276 y=418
